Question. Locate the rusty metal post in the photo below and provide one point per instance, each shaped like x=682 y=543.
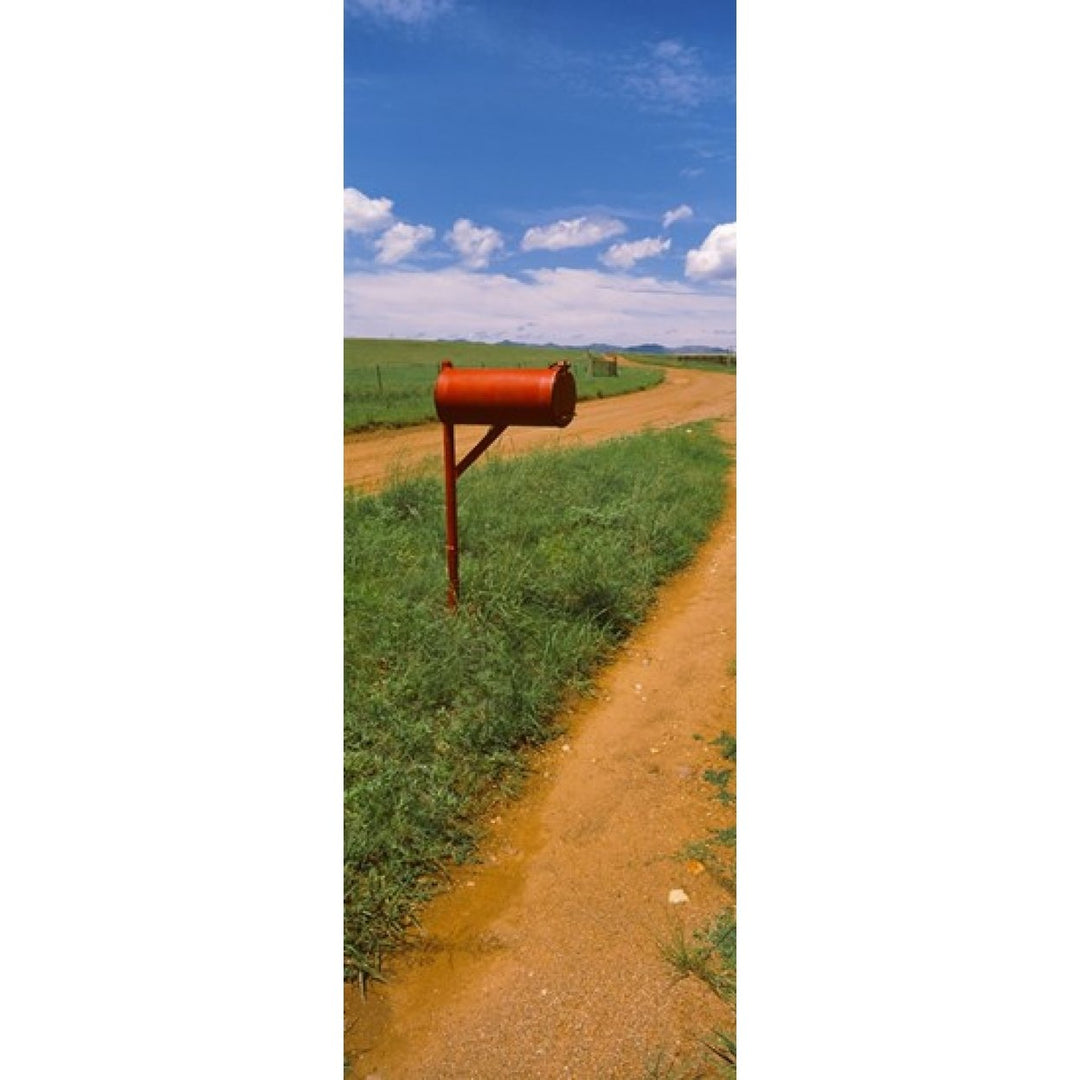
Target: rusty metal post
x=450 y=473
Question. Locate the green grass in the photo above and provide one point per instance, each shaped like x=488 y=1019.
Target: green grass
x=707 y=955
x=390 y=383
x=726 y=743
x=561 y=554
x=671 y=360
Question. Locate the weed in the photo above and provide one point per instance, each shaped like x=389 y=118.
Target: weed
x=719 y=779
x=709 y=955
x=722 y=1047
x=726 y=742
x=715 y=1061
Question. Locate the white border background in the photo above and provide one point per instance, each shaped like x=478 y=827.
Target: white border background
x=908 y=583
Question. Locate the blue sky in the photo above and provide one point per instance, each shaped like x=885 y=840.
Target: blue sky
x=559 y=172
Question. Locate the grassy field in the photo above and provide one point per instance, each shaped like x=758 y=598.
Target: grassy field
x=561 y=554
x=390 y=383
x=673 y=361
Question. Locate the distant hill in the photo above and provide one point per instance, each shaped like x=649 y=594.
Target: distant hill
x=662 y=350
x=605 y=347
x=533 y=345
x=600 y=347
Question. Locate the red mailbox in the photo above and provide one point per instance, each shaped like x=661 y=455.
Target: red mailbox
x=498 y=397
x=531 y=397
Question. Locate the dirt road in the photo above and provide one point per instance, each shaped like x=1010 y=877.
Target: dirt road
x=683 y=397
x=542 y=961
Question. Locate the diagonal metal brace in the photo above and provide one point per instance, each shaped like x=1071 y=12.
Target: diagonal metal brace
x=492 y=434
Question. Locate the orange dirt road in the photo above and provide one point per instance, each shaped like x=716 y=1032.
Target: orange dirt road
x=542 y=961
x=684 y=396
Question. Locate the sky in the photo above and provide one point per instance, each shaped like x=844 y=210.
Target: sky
x=546 y=173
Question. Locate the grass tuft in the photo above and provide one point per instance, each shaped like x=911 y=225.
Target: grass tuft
x=726 y=742
x=708 y=955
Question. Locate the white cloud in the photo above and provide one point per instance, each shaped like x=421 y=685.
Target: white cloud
x=680 y=213
x=401 y=240
x=673 y=77
x=623 y=256
x=716 y=256
x=476 y=244
x=577 y=232
x=364 y=215
x=669 y=50
x=569 y=307
x=406 y=11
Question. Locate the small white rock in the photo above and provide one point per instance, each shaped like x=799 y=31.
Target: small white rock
x=677 y=896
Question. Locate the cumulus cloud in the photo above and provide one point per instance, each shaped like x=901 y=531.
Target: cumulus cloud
x=715 y=259
x=405 y=11
x=364 y=215
x=577 y=232
x=680 y=213
x=401 y=240
x=476 y=244
x=570 y=307
x=623 y=256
